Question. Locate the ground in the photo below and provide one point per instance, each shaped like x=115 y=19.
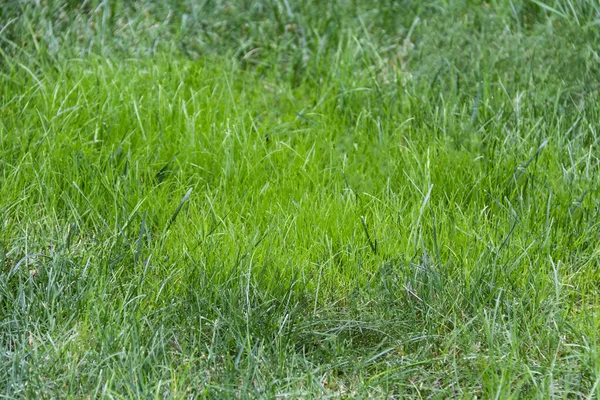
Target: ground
x=299 y=199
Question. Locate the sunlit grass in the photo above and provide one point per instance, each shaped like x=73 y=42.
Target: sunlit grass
x=299 y=200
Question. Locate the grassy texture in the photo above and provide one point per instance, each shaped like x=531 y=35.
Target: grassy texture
x=275 y=198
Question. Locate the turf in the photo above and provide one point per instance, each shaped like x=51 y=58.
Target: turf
x=343 y=199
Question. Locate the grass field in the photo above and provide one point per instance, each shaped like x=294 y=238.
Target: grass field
x=282 y=199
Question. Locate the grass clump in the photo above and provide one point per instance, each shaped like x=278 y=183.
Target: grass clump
x=299 y=199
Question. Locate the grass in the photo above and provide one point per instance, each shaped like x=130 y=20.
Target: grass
x=299 y=199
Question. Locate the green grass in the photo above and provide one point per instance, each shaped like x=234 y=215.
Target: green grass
x=342 y=199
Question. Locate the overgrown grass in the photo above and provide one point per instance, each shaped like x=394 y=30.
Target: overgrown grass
x=299 y=199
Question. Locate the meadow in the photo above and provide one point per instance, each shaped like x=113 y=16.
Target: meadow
x=300 y=199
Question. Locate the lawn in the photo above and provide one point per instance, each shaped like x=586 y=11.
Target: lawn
x=300 y=199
